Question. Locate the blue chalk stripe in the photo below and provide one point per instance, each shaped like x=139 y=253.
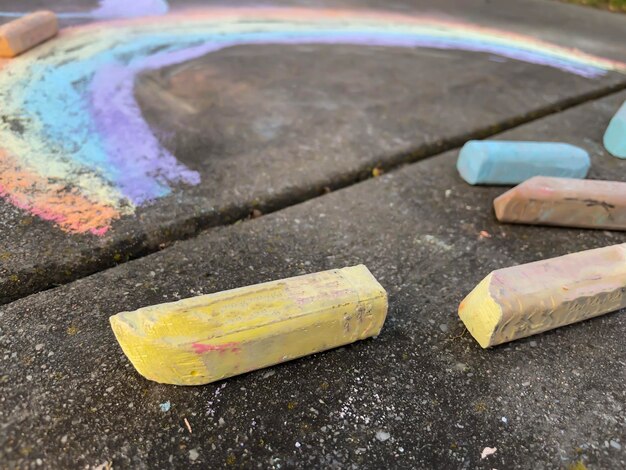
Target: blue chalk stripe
x=508 y=162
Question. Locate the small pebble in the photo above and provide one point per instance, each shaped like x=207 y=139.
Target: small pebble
x=193 y=454
x=615 y=444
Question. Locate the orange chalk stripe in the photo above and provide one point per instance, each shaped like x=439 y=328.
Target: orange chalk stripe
x=70 y=210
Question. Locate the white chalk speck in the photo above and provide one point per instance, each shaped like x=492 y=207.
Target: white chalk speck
x=165 y=407
x=487 y=451
x=460 y=367
x=382 y=436
x=298 y=445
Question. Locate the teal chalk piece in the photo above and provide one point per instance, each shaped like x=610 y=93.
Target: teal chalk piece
x=508 y=162
x=615 y=135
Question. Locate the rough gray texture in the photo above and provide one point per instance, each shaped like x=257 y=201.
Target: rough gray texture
x=421 y=395
x=269 y=126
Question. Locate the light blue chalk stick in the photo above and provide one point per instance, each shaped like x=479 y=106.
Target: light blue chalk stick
x=508 y=162
x=615 y=135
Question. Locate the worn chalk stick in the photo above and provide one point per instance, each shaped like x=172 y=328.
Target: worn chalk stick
x=565 y=202
x=26 y=32
x=615 y=135
x=508 y=162
x=207 y=338
x=520 y=301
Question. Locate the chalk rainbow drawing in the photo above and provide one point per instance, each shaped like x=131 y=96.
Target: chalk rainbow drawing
x=74 y=147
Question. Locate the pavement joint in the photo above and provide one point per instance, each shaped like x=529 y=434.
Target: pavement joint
x=191 y=227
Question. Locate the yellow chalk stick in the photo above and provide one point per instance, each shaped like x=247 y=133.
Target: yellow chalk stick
x=26 y=32
x=210 y=337
x=520 y=301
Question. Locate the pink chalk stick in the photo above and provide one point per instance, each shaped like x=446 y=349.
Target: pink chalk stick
x=565 y=202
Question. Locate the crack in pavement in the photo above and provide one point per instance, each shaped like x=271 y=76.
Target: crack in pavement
x=124 y=249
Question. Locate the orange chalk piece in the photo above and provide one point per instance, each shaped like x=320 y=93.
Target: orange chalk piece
x=524 y=300
x=26 y=32
x=565 y=202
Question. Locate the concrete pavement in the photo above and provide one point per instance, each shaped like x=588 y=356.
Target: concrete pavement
x=421 y=395
x=267 y=126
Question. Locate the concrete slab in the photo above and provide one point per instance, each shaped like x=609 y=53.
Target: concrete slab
x=421 y=395
x=265 y=126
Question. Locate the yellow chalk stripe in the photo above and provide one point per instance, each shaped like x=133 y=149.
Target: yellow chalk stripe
x=480 y=313
x=211 y=337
